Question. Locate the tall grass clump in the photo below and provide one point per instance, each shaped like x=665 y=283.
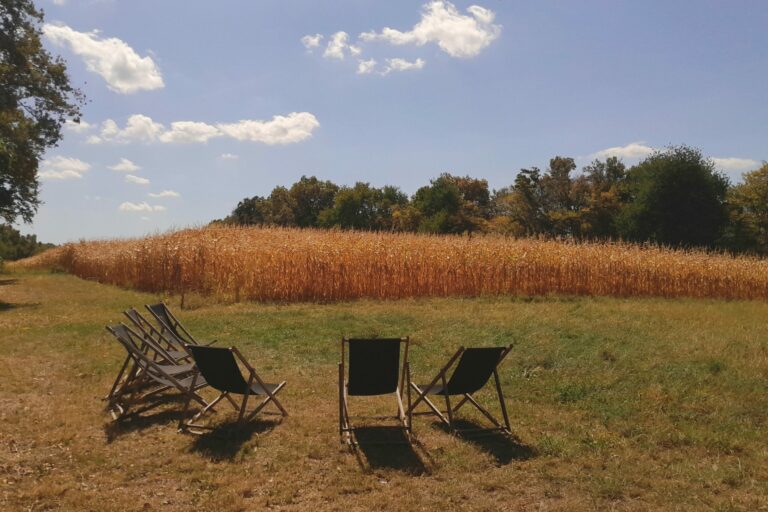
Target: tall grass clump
x=289 y=265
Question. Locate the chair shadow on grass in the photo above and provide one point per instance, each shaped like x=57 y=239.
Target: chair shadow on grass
x=137 y=419
x=7 y=282
x=226 y=440
x=504 y=448
x=7 y=306
x=383 y=447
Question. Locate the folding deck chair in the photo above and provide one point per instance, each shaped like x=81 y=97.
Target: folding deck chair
x=144 y=368
x=374 y=369
x=473 y=370
x=170 y=325
x=163 y=344
x=218 y=366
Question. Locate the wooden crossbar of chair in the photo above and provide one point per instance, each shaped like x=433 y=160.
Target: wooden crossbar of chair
x=378 y=383
x=148 y=370
x=219 y=366
x=171 y=327
x=468 y=377
x=165 y=345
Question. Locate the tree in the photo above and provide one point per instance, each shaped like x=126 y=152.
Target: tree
x=36 y=99
x=675 y=197
x=748 y=230
x=310 y=197
x=363 y=207
x=453 y=204
x=14 y=245
x=602 y=183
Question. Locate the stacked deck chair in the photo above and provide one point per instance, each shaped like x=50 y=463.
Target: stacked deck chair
x=147 y=372
x=374 y=369
x=472 y=372
x=163 y=344
x=219 y=368
x=170 y=325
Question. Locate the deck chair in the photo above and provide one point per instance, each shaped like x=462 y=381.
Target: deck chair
x=374 y=369
x=218 y=366
x=170 y=325
x=472 y=372
x=161 y=343
x=145 y=369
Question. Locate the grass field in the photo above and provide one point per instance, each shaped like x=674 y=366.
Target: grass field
x=616 y=404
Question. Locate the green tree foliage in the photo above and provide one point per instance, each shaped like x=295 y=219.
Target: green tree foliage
x=14 y=245
x=748 y=201
x=675 y=197
x=36 y=99
x=311 y=196
x=363 y=207
x=452 y=204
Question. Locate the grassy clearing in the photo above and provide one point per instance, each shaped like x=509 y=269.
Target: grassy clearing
x=617 y=404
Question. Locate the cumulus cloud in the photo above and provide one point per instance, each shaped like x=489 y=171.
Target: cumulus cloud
x=124 y=70
x=294 y=127
x=402 y=65
x=138 y=180
x=311 y=42
x=366 y=67
x=229 y=156
x=140 y=207
x=458 y=35
x=288 y=129
x=139 y=128
x=63 y=168
x=125 y=165
x=189 y=131
x=630 y=151
x=80 y=127
x=338 y=47
x=164 y=193
x=731 y=164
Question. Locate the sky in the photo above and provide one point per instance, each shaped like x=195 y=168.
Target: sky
x=193 y=106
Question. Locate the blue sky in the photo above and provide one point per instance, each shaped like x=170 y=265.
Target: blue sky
x=410 y=90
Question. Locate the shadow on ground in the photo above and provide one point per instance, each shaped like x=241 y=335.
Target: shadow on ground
x=388 y=448
x=6 y=306
x=7 y=282
x=138 y=419
x=503 y=448
x=226 y=440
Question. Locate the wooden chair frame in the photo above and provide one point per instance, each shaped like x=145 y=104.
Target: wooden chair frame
x=346 y=429
x=156 y=340
x=253 y=377
x=441 y=379
x=186 y=337
x=146 y=370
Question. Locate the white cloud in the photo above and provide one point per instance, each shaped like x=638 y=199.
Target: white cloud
x=140 y=207
x=125 y=165
x=294 y=127
x=338 y=44
x=139 y=128
x=80 y=127
x=229 y=156
x=189 y=131
x=457 y=34
x=165 y=193
x=735 y=164
x=365 y=67
x=63 y=168
x=288 y=129
x=402 y=65
x=311 y=42
x=59 y=2
x=630 y=151
x=118 y=64
x=138 y=180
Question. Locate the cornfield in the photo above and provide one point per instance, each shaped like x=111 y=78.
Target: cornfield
x=290 y=265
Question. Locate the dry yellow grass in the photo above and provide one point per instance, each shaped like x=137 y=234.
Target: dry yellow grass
x=290 y=265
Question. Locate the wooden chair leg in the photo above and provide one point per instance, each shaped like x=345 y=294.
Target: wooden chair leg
x=502 y=402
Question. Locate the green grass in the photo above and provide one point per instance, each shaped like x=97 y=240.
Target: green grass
x=615 y=404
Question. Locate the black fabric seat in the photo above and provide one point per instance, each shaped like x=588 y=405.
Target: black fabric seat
x=474 y=369
x=219 y=367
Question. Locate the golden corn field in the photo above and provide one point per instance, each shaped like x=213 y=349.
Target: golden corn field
x=289 y=265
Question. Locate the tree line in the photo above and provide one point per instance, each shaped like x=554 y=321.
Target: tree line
x=674 y=197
